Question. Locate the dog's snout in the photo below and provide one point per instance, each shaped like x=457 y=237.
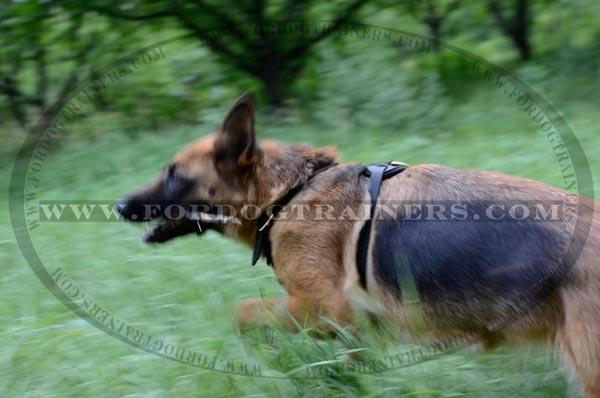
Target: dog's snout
x=130 y=209
x=124 y=208
x=121 y=205
x=136 y=208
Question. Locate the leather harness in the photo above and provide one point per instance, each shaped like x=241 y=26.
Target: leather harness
x=376 y=174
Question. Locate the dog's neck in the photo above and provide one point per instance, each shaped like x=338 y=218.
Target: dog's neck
x=292 y=166
x=285 y=168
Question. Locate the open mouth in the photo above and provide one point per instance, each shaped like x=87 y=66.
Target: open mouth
x=166 y=229
x=166 y=220
x=194 y=222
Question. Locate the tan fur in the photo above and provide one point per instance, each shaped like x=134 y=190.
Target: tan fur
x=315 y=261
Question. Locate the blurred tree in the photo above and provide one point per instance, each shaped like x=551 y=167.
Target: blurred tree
x=36 y=37
x=515 y=26
x=46 y=49
x=274 y=57
x=433 y=14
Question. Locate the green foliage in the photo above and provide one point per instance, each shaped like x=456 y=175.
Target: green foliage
x=356 y=92
x=375 y=102
x=185 y=291
x=69 y=40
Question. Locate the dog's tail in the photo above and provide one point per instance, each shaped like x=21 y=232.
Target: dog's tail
x=578 y=337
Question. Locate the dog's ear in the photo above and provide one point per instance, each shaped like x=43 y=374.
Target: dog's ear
x=236 y=140
x=322 y=157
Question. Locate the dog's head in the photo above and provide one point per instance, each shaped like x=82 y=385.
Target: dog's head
x=209 y=181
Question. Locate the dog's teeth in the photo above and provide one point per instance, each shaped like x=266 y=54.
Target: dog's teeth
x=147 y=225
x=193 y=215
x=212 y=218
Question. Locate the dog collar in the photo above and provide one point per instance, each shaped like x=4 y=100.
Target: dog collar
x=266 y=219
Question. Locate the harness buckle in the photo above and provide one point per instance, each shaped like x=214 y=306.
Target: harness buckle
x=267 y=222
x=397 y=163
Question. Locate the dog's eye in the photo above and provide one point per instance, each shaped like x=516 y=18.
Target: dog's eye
x=174 y=174
x=176 y=185
x=171 y=169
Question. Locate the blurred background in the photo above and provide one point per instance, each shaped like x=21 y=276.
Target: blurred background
x=322 y=84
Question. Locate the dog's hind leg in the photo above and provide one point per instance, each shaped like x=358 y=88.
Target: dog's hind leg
x=579 y=338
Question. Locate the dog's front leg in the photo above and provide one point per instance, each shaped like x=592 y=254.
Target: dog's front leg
x=290 y=313
x=265 y=312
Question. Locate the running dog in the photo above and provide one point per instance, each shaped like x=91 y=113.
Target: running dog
x=494 y=256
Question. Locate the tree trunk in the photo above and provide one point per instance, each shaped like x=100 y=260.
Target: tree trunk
x=521 y=41
x=516 y=27
x=434 y=22
x=520 y=30
x=277 y=76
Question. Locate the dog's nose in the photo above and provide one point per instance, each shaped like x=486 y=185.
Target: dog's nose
x=132 y=209
x=129 y=210
x=121 y=206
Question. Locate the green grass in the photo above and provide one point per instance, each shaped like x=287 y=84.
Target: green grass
x=183 y=292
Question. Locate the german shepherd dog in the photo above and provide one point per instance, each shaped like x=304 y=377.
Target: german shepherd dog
x=520 y=279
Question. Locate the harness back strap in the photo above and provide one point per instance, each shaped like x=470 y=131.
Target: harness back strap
x=377 y=173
